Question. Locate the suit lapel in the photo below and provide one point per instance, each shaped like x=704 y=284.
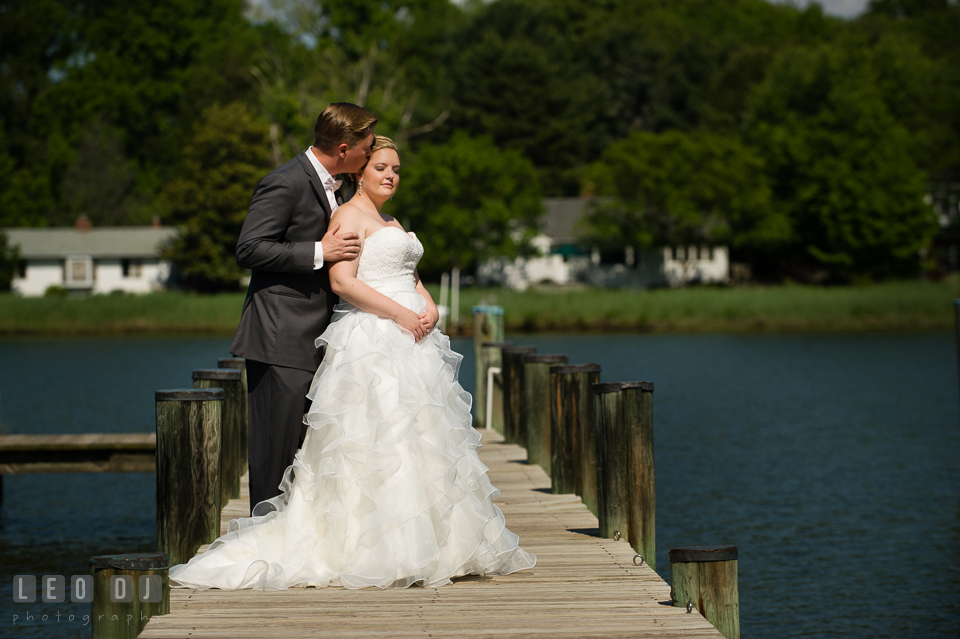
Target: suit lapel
x=315 y=184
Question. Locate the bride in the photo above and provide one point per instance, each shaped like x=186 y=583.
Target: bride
x=387 y=489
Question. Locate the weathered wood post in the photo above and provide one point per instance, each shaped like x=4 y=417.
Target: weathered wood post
x=573 y=451
x=536 y=375
x=188 y=470
x=705 y=578
x=231 y=381
x=127 y=591
x=514 y=398
x=626 y=501
x=492 y=359
x=638 y=420
x=241 y=364
x=487 y=327
x=613 y=493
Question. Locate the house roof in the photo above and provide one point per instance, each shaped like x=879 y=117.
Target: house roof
x=107 y=242
x=560 y=221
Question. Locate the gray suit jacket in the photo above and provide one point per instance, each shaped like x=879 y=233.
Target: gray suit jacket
x=288 y=303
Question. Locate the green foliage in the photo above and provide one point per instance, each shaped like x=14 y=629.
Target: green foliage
x=849 y=117
x=677 y=188
x=381 y=55
x=468 y=200
x=101 y=182
x=97 y=99
x=518 y=82
x=9 y=260
x=228 y=155
x=840 y=164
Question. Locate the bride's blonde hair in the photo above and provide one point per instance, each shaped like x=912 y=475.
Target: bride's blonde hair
x=383 y=142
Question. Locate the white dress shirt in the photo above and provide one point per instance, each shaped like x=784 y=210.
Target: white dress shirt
x=329 y=187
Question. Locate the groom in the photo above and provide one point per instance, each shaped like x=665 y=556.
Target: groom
x=287 y=243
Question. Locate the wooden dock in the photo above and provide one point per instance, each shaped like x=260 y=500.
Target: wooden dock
x=89 y=453
x=582 y=585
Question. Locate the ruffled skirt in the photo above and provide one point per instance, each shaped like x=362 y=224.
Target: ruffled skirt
x=387 y=489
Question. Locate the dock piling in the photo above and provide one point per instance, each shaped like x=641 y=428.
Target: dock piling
x=127 y=578
x=231 y=381
x=241 y=364
x=613 y=492
x=706 y=577
x=188 y=470
x=573 y=450
x=536 y=375
x=638 y=420
x=492 y=358
x=487 y=327
x=623 y=415
x=514 y=396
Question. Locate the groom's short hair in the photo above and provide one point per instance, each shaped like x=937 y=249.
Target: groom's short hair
x=342 y=123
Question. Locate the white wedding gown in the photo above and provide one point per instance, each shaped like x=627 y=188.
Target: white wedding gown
x=387 y=489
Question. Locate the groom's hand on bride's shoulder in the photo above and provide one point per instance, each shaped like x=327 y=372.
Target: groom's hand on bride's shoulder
x=340 y=246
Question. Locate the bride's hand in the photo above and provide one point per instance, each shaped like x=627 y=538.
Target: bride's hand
x=428 y=320
x=410 y=321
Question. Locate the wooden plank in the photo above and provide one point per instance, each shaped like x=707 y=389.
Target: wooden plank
x=118 y=463
x=78 y=453
x=581 y=586
x=86 y=441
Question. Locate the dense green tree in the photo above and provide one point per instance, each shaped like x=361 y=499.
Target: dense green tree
x=107 y=81
x=469 y=200
x=133 y=67
x=227 y=156
x=917 y=58
x=840 y=164
x=518 y=82
x=677 y=188
x=101 y=182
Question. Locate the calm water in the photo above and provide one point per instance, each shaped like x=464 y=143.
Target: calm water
x=832 y=462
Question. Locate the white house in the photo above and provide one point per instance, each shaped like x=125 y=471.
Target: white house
x=565 y=259
x=90 y=260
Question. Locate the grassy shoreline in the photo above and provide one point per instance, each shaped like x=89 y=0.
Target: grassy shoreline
x=892 y=306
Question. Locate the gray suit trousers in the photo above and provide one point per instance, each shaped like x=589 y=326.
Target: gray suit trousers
x=277 y=404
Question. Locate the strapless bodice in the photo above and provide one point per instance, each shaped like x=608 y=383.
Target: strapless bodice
x=389 y=258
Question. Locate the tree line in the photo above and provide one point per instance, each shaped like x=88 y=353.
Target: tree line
x=802 y=141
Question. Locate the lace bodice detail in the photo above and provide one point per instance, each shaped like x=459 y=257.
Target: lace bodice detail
x=389 y=258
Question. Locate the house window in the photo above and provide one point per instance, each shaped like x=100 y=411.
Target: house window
x=710 y=253
x=78 y=271
x=22 y=269
x=132 y=268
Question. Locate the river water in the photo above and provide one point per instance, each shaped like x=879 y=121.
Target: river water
x=831 y=461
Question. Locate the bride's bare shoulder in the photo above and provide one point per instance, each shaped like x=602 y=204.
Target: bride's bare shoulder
x=350 y=216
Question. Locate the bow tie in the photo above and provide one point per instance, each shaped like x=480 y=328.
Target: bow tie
x=331 y=184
